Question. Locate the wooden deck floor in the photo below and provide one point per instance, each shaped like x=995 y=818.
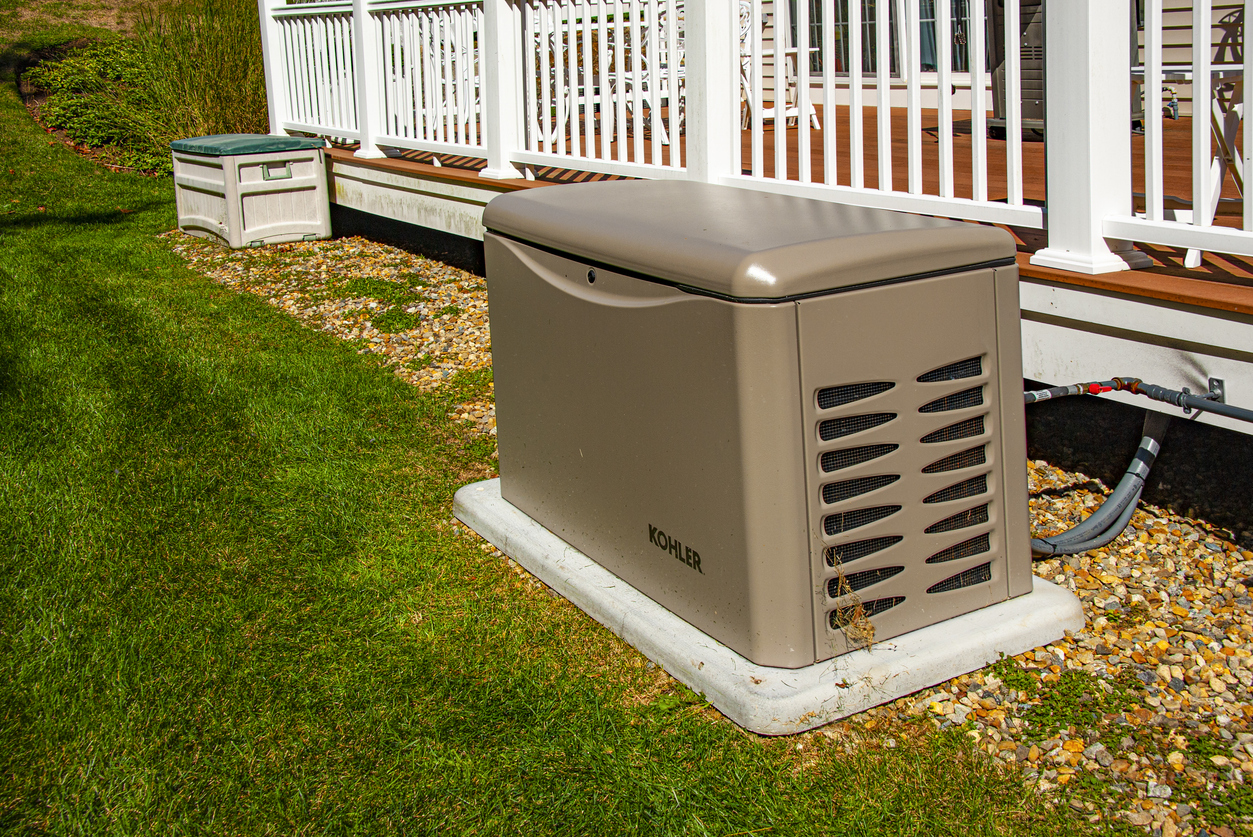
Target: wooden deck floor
x=1222 y=282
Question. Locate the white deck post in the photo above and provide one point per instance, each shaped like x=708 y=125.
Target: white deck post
x=1087 y=135
x=366 y=57
x=501 y=67
x=713 y=102
x=273 y=63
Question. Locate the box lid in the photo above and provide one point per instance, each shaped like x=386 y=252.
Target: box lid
x=230 y=145
x=740 y=243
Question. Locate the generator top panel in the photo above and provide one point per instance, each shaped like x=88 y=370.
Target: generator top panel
x=739 y=243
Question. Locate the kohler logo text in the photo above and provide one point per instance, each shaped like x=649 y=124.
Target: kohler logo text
x=666 y=543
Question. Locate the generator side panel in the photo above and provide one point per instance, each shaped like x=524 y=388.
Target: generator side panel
x=628 y=414
x=1014 y=436
x=901 y=390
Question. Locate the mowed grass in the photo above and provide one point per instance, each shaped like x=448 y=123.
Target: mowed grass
x=231 y=601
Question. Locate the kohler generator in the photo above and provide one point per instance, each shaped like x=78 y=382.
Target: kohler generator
x=795 y=424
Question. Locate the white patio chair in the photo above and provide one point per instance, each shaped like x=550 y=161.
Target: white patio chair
x=791 y=110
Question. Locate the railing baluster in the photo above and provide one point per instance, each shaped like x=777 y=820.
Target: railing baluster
x=572 y=78
x=413 y=65
x=1154 y=197
x=944 y=85
x=675 y=101
x=318 y=87
x=1013 y=105
x=446 y=53
x=354 y=73
x=602 y=77
x=653 y=73
x=588 y=78
x=559 y=76
x=782 y=25
x=803 y=154
x=913 y=46
x=387 y=61
x=637 y=64
x=547 y=77
x=430 y=131
x=619 y=80
x=530 y=48
x=757 y=84
x=343 y=39
x=465 y=61
x=297 y=66
x=1202 y=92
x=856 y=84
x=978 y=104
x=883 y=66
x=331 y=106
x=830 y=167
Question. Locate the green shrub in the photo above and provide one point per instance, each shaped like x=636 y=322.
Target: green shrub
x=194 y=69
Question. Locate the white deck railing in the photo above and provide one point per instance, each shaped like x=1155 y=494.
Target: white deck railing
x=315 y=74
x=663 y=88
x=1221 y=94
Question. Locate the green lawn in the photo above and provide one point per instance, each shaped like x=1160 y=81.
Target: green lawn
x=231 y=601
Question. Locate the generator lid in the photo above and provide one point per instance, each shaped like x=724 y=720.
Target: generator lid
x=740 y=243
x=230 y=145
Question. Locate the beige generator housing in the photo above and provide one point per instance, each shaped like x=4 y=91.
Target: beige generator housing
x=797 y=425
x=246 y=190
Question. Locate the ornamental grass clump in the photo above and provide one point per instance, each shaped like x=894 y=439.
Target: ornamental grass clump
x=193 y=69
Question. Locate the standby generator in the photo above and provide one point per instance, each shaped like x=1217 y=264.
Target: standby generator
x=797 y=425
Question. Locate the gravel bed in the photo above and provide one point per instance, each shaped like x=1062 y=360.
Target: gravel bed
x=425 y=320
x=1142 y=718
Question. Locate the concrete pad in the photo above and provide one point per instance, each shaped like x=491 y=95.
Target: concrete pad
x=770 y=701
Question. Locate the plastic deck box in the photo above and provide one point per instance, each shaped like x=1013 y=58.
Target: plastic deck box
x=246 y=190
x=797 y=425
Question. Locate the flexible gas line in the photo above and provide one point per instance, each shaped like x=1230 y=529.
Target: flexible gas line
x=1108 y=521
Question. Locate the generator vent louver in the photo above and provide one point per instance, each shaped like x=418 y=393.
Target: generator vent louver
x=843 y=585
x=972 y=487
x=972 y=397
x=848 y=425
x=964 y=459
x=848 y=552
x=967 y=578
x=961 y=520
x=836 y=492
x=975 y=546
x=835 y=460
x=962 y=430
x=847 y=394
x=889 y=585
x=834 y=524
x=969 y=368
x=843 y=617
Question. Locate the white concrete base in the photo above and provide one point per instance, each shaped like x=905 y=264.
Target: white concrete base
x=771 y=701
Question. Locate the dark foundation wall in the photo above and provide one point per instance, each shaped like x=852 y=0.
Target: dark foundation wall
x=1202 y=471
x=454 y=250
